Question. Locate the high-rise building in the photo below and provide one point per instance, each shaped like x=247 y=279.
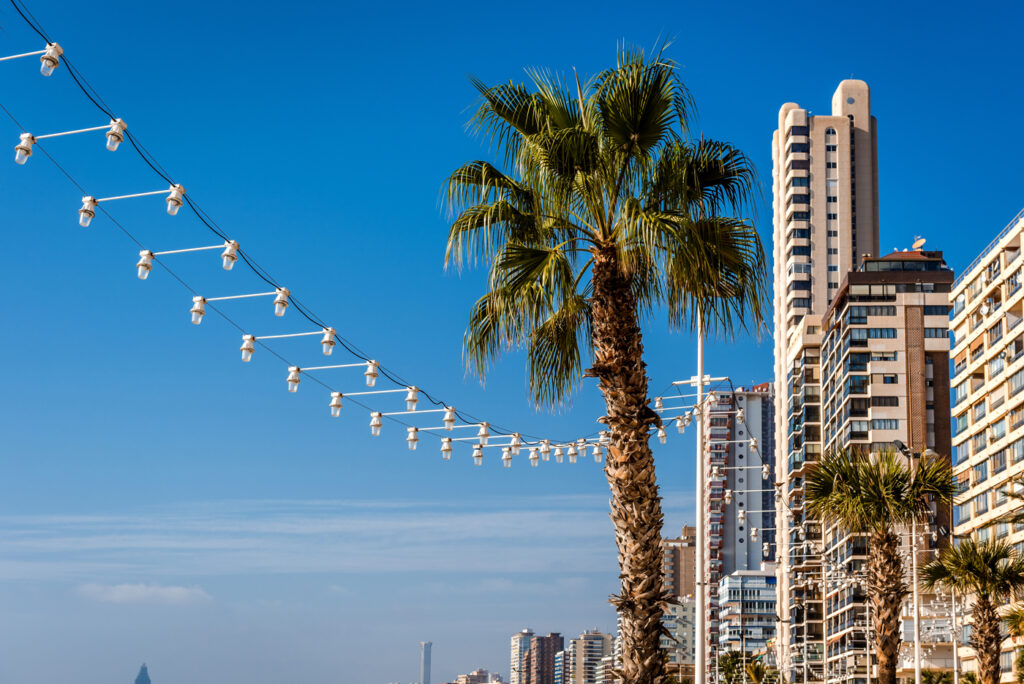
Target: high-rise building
x=560 y=668
x=740 y=494
x=678 y=562
x=825 y=187
x=585 y=653
x=988 y=389
x=747 y=610
x=681 y=642
x=143 y=677
x=518 y=671
x=884 y=377
x=542 y=658
x=425 y=647
x=480 y=676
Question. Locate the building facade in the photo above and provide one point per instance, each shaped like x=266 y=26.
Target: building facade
x=679 y=562
x=519 y=650
x=585 y=654
x=988 y=392
x=425 y=647
x=825 y=189
x=542 y=658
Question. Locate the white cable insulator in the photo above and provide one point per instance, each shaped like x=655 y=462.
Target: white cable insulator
x=115 y=135
x=327 y=341
x=198 y=310
x=293 y=379
x=659 y=405
x=596 y=453
x=145 y=264
x=229 y=256
x=572 y=453
x=281 y=301
x=681 y=425
x=175 y=199
x=371 y=373
x=88 y=211
x=335 y=404
x=248 y=347
x=50 y=59
x=753 y=443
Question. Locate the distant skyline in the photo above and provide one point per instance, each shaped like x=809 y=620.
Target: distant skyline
x=161 y=501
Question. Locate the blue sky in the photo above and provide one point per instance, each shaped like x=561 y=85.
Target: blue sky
x=161 y=501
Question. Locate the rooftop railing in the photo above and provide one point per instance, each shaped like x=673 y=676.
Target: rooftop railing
x=985 y=252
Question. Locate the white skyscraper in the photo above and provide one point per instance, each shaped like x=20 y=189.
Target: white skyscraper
x=517 y=663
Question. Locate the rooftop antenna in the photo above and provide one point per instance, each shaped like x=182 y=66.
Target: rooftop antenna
x=918 y=242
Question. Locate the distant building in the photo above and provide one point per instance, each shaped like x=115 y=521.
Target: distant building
x=518 y=672
x=678 y=566
x=542 y=658
x=747 y=617
x=680 y=621
x=480 y=676
x=425 y=647
x=143 y=677
x=585 y=654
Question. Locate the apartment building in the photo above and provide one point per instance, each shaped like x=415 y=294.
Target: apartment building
x=988 y=392
x=519 y=661
x=678 y=563
x=825 y=188
x=884 y=377
x=748 y=617
x=585 y=653
x=541 y=658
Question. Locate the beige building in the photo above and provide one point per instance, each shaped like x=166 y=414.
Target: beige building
x=678 y=562
x=825 y=187
x=988 y=393
x=585 y=654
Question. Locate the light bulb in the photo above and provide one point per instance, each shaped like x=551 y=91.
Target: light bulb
x=596 y=453
x=516 y=443
x=545 y=450
x=115 y=136
x=558 y=454
x=740 y=415
x=230 y=255
x=506 y=457
x=411 y=399
x=606 y=437
x=449 y=418
x=413 y=438
x=534 y=457
x=375 y=424
x=198 y=310
x=23 y=150
x=335 y=404
x=327 y=343
x=753 y=534
x=753 y=443
x=659 y=405
x=174 y=200
x=293 y=379
x=50 y=59
x=88 y=211
x=371 y=373
x=765 y=549
x=478 y=455
x=248 y=347
x=712 y=397
x=446 y=448
x=572 y=453
x=145 y=264
x=281 y=301
x=483 y=434
x=662 y=435
x=680 y=425
x=727 y=497
x=765 y=472
x=741 y=516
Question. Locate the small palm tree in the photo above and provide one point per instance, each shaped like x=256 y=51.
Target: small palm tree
x=992 y=572
x=759 y=673
x=936 y=677
x=876 y=495
x=606 y=213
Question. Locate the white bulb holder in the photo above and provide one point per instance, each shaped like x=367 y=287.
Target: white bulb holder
x=294 y=378
x=516 y=444
x=335 y=404
x=559 y=455
x=572 y=453
x=478 y=455
x=115 y=135
x=230 y=255
x=740 y=415
x=534 y=457
x=281 y=301
x=145 y=264
x=88 y=211
x=371 y=373
x=545 y=450
x=753 y=443
x=375 y=423
x=449 y=418
x=23 y=150
x=50 y=59
x=659 y=405
x=327 y=342
x=680 y=425
x=484 y=433
x=248 y=347
x=662 y=435
x=596 y=453
x=198 y=310
x=413 y=438
x=506 y=456
x=727 y=496
x=753 y=534
x=411 y=399
x=765 y=472
x=175 y=199
x=446 y=448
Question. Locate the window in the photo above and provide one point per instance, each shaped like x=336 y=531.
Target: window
x=833 y=250
x=800 y=199
x=801 y=216
x=998 y=461
x=803 y=303
x=936 y=332
x=800 y=285
x=981 y=506
x=1016 y=382
x=960 y=453
x=833 y=233
x=798 y=148
x=801 y=182
x=831 y=268
x=960 y=392
x=978 y=442
x=998 y=429
x=885 y=401
x=798 y=130
x=832 y=217
x=934 y=310
x=978 y=411
x=830 y=165
x=831 y=198
x=961 y=513
x=1006 y=661
x=831 y=148
x=885 y=424
x=1016 y=450
x=830 y=132
x=800 y=251
x=833 y=285
x=979 y=473
x=884 y=356
x=882 y=333
x=960 y=423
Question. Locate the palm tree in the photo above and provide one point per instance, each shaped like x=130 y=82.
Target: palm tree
x=936 y=677
x=993 y=572
x=759 y=673
x=605 y=214
x=875 y=495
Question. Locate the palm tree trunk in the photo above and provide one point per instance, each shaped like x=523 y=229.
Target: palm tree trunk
x=986 y=639
x=888 y=591
x=636 y=504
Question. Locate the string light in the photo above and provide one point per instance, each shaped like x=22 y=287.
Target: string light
x=765 y=471
x=145 y=264
x=446 y=448
x=449 y=418
x=572 y=453
x=23 y=150
x=516 y=443
x=327 y=343
x=335 y=404
x=50 y=59
x=662 y=435
x=478 y=455
x=659 y=405
x=248 y=347
x=412 y=438
x=558 y=454
x=174 y=200
x=230 y=255
x=88 y=211
x=115 y=136
x=198 y=310
x=534 y=457
x=545 y=449
x=281 y=301
x=293 y=379
x=506 y=457
x=371 y=373
x=596 y=453
x=411 y=399
x=375 y=424
x=484 y=433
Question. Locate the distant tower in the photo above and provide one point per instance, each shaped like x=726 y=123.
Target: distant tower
x=143 y=677
x=424 y=662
